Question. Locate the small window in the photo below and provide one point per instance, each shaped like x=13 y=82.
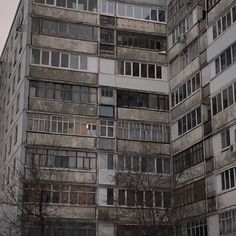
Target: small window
x=225 y=139
x=110 y=196
x=107 y=92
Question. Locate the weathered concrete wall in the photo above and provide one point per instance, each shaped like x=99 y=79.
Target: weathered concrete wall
x=66 y=76
x=186 y=106
x=143 y=115
x=190 y=69
x=63 y=107
x=64 y=14
x=45 y=139
x=143 y=26
x=143 y=147
x=187 y=139
x=147 y=55
x=64 y=44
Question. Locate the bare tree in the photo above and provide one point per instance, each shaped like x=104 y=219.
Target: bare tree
x=152 y=219
x=25 y=201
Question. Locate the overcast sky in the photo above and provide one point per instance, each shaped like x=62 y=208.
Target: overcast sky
x=7 y=12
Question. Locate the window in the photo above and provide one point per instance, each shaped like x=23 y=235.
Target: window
x=140 y=12
x=225 y=59
x=60 y=124
x=107 y=7
x=134 y=163
x=110 y=196
x=189 y=121
x=107 y=92
x=157 y=43
x=81 y=5
x=142 y=100
x=228 y=179
x=199 y=225
x=188 y=158
x=227 y=222
x=61 y=158
x=107 y=36
x=133 y=69
x=61 y=193
x=181 y=28
x=148 y=198
x=65 y=29
x=142 y=131
x=107 y=128
x=224 y=99
x=191 y=193
x=224 y=22
x=225 y=139
x=63 y=92
x=59 y=59
x=186 y=90
x=107 y=111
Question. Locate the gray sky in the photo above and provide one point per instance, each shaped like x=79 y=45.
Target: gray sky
x=7 y=12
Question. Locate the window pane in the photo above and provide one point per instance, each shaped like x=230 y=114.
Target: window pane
x=74 y=62
x=151 y=71
x=71 y=4
x=136 y=69
x=82 y=5
x=35 y=56
x=61 y=3
x=144 y=70
x=45 y=58
x=162 y=16
x=127 y=68
x=129 y=10
x=55 y=57
x=64 y=60
x=92 y=5
x=154 y=14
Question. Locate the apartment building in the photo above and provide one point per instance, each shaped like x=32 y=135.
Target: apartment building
x=201 y=38
x=102 y=141
x=82 y=113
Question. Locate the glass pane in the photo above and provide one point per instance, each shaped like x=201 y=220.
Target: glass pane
x=82 y=5
x=71 y=4
x=55 y=57
x=74 y=62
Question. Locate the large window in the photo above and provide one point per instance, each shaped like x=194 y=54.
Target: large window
x=188 y=158
x=189 y=121
x=82 y=5
x=227 y=58
x=142 y=100
x=141 y=70
x=157 y=43
x=191 y=193
x=57 y=193
x=143 y=131
x=145 y=164
x=224 y=22
x=181 y=28
x=63 y=92
x=224 y=99
x=185 y=90
x=65 y=29
x=59 y=59
x=141 y=12
x=61 y=124
x=61 y=158
x=228 y=179
x=227 y=222
x=143 y=198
